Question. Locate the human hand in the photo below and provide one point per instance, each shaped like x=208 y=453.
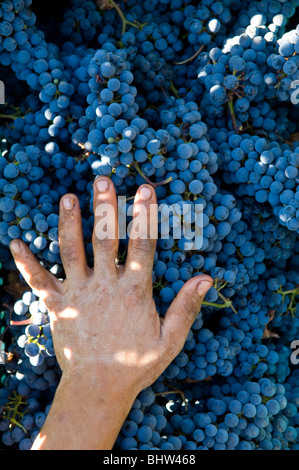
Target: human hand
x=105 y=319
x=104 y=322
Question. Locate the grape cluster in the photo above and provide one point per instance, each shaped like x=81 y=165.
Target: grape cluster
x=285 y=66
x=200 y=100
x=37 y=338
x=235 y=416
x=80 y=22
x=241 y=78
x=265 y=170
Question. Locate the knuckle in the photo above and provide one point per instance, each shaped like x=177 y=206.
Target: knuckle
x=134 y=295
x=40 y=283
x=136 y=292
x=51 y=301
x=70 y=253
x=142 y=246
x=37 y=281
x=190 y=311
x=173 y=346
x=107 y=244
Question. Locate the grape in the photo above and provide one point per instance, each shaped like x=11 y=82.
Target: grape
x=31 y=349
x=199 y=100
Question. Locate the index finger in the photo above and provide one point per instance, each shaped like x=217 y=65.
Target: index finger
x=143 y=234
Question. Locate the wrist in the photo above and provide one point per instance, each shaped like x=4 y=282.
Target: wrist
x=85 y=415
x=95 y=392
x=100 y=386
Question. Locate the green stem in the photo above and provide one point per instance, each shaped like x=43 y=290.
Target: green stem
x=192 y=57
x=286 y=292
x=130 y=198
x=9 y=116
x=232 y=114
x=227 y=303
x=13 y=410
x=205 y=303
x=155 y=185
x=174 y=90
x=294 y=293
x=124 y=20
x=220 y=287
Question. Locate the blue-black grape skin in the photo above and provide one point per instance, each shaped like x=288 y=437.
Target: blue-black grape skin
x=200 y=96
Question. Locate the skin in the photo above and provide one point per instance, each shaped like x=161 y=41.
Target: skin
x=109 y=339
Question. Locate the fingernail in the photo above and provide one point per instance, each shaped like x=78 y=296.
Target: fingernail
x=102 y=185
x=15 y=246
x=145 y=193
x=69 y=203
x=203 y=287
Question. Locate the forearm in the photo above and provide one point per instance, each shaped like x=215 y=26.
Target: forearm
x=84 y=417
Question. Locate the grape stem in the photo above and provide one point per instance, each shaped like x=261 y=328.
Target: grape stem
x=9 y=116
x=155 y=185
x=232 y=114
x=124 y=20
x=12 y=410
x=192 y=57
x=227 y=304
x=29 y=321
x=294 y=293
x=174 y=90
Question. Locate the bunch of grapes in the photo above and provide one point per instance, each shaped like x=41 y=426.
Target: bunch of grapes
x=199 y=100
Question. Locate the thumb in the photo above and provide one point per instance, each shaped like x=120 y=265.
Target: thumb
x=184 y=310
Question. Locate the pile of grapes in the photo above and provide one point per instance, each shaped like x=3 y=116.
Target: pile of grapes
x=200 y=99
